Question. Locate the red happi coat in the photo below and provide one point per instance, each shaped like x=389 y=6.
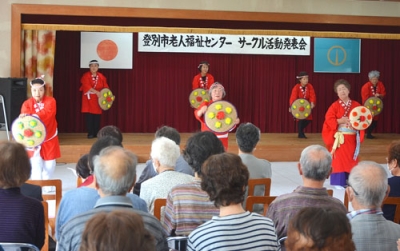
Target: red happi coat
x=90 y=100
x=197 y=81
x=367 y=92
x=309 y=95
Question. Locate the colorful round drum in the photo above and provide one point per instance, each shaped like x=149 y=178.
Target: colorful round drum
x=220 y=116
x=301 y=108
x=374 y=104
x=29 y=131
x=198 y=96
x=106 y=99
x=360 y=118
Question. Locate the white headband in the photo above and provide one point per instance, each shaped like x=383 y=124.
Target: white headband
x=41 y=78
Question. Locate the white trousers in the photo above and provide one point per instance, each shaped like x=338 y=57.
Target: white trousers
x=41 y=169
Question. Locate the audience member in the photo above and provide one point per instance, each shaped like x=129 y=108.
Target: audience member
x=84 y=198
x=83 y=171
x=368 y=186
x=224 y=178
x=393 y=164
x=116 y=230
x=21 y=217
x=112 y=131
x=314 y=168
x=319 y=229
x=188 y=206
x=180 y=166
x=247 y=137
x=164 y=153
x=115 y=173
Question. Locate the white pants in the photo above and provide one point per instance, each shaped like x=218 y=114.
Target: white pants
x=41 y=169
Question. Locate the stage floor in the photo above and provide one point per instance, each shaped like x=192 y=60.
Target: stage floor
x=274 y=147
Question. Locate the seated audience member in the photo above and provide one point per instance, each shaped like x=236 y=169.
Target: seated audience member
x=224 y=178
x=84 y=198
x=368 y=187
x=83 y=170
x=116 y=230
x=247 y=137
x=114 y=174
x=393 y=164
x=188 y=206
x=314 y=168
x=112 y=131
x=319 y=229
x=21 y=217
x=164 y=153
x=180 y=166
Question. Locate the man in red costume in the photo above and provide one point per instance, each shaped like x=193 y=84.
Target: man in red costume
x=203 y=79
x=303 y=89
x=341 y=139
x=217 y=92
x=43 y=161
x=92 y=83
x=373 y=88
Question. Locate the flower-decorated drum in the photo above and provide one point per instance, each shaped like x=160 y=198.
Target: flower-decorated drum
x=220 y=116
x=374 y=104
x=360 y=118
x=28 y=131
x=106 y=99
x=198 y=96
x=301 y=108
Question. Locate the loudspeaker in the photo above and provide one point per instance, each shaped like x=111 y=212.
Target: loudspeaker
x=13 y=91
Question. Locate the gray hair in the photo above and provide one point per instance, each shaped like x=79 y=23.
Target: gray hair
x=166 y=151
x=115 y=170
x=316 y=162
x=373 y=74
x=215 y=85
x=370 y=181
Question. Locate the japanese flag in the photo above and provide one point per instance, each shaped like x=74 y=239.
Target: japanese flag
x=112 y=50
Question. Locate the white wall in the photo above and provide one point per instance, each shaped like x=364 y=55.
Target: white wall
x=337 y=7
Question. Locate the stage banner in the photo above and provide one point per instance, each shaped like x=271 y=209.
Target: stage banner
x=224 y=44
x=337 y=55
x=112 y=50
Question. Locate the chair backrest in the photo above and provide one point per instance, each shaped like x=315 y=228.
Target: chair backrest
x=346 y=201
x=46 y=226
x=78 y=181
x=265 y=200
x=18 y=246
x=266 y=182
x=158 y=204
x=330 y=192
x=394 y=201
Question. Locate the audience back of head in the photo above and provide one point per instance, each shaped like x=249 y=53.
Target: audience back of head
x=199 y=147
x=247 y=137
x=15 y=167
x=116 y=230
x=99 y=145
x=112 y=131
x=170 y=133
x=82 y=167
x=316 y=162
x=319 y=229
x=115 y=170
x=165 y=150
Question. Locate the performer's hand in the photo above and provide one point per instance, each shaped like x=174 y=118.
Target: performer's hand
x=344 y=120
x=22 y=115
x=377 y=95
x=237 y=121
x=290 y=109
x=201 y=111
x=312 y=105
x=98 y=94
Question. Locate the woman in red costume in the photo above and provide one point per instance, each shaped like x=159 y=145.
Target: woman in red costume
x=203 y=79
x=373 y=88
x=303 y=90
x=341 y=139
x=43 y=161
x=217 y=92
x=92 y=83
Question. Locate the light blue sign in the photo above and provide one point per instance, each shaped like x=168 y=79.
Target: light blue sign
x=337 y=55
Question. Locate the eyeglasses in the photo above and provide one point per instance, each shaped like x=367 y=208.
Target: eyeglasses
x=349 y=185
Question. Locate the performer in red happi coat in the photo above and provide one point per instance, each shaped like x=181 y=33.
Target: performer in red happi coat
x=204 y=79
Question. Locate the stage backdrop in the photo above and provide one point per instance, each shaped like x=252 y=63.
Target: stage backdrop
x=155 y=92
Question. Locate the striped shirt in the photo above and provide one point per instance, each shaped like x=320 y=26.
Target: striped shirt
x=245 y=231
x=187 y=208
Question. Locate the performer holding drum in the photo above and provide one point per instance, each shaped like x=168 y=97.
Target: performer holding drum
x=305 y=91
x=217 y=115
x=36 y=124
x=204 y=79
x=92 y=84
x=372 y=94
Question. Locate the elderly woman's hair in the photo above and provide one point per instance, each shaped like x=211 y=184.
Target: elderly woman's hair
x=165 y=151
x=370 y=181
x=373 y=74
x=224 y=178
x=215 y=85
x=115 y=170
x=82 y=167
x=314 y=229
x=116 y=230
x=112 y=131
x=394 y=152
x=15 y=167
x=316 y=162
x=341 y=82
x=99 y=145
x=247 y=137
x=199 y=147
x=170 y=133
